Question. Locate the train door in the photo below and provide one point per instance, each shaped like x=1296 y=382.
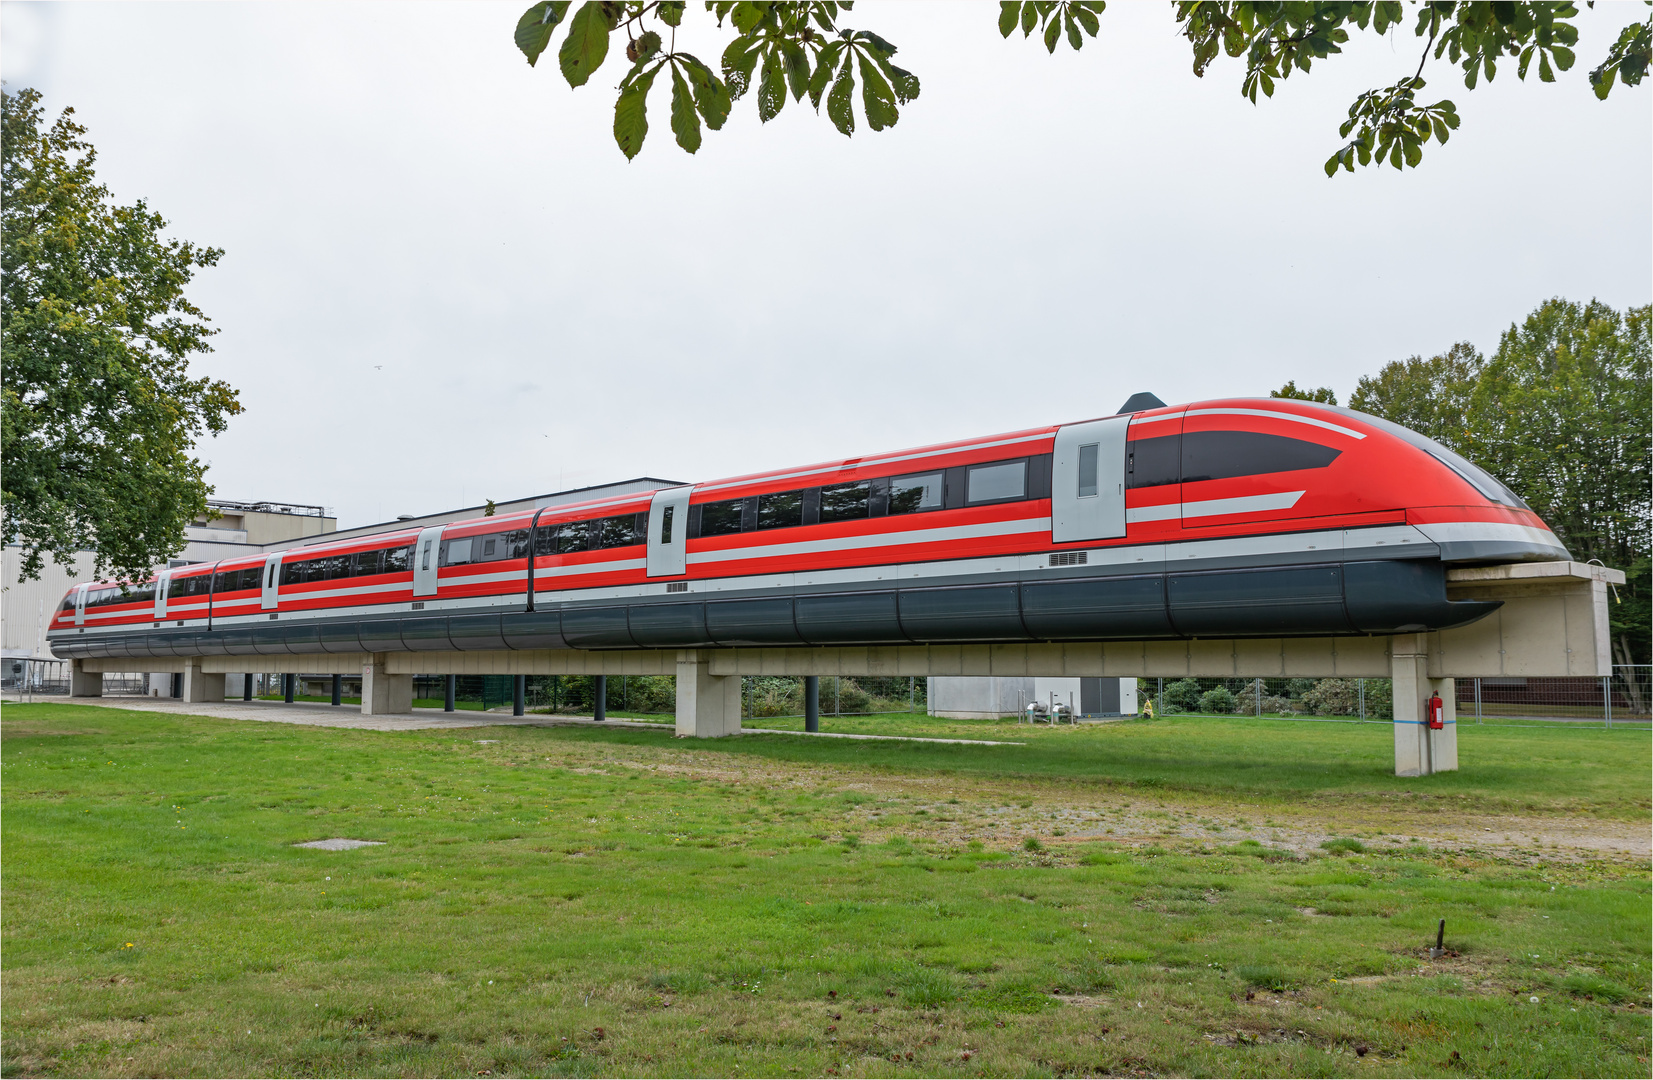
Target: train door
x=427 y=555
x=80 y=604
x=668 y=554
x=271 y=581
x=162 y=584
x=1087 y=481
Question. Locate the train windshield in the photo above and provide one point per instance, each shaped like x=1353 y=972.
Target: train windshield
x=1478 y=478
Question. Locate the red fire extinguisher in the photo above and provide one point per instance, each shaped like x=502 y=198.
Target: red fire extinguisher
x=1437 y=712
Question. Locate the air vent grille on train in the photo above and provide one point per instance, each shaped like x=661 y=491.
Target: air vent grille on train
x=1068 y=558
x=677 y=586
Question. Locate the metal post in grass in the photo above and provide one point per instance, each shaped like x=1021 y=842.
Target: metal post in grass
x=519 y=695
x=912 y=693
x=812 y=703
x=338 y=689
x=599 y=709
x=837 y=696
x=449 y=692
x=1477 y=699
x=1159 y=698
x=1258 y=685
x=1607 y=698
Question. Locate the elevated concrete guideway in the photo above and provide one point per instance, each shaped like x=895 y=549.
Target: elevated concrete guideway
x=1553 y=622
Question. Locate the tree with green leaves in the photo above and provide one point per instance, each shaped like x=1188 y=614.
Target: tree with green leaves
x=799 y=49
x=1324 y=394
x=1562 y=412
x=99 y=412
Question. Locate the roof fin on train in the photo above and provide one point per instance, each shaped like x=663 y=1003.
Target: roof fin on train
x=1139 y=402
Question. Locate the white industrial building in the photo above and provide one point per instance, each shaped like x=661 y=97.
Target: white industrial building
x=990 y=697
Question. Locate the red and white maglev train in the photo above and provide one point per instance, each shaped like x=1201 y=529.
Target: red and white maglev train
x=1226 y=518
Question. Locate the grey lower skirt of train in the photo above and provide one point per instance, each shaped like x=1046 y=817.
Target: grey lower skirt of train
x=1371 y=597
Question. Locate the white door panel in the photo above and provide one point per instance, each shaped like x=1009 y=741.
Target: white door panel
x=427 y=555
x=1087 y=481
x=668 y=532
x=80 y=604
x=271 y=582
x=162 y=584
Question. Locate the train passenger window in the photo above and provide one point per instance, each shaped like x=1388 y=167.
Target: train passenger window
x=398 y=560
x=613 y=532
x=573 y=536
x=781 y=510
x=1001 y=481
x=514 y=544
x=68 y=603
x=294 y=573
x=666 y=516
x=251 y=577
x=1219 y=455
x=1152 y=462
x=366 y=563
x=456 y=552
x=1087 y=470
x=720 y=518
x=846 y=502
x=911 y=494
x=492 y=549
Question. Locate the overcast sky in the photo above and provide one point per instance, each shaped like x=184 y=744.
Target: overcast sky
x=443 y=282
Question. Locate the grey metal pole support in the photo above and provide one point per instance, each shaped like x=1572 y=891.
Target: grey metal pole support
x=519 y=695
x=338 y=689
x=812 y=703
x=449 y=692
x=289 y=688
x=599 y=710
x=247 y=686
x=1607 y=698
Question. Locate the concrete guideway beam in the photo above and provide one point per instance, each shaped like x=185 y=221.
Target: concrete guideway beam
x=1553 y=622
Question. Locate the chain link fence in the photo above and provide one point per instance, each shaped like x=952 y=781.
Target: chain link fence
x=1620 y=698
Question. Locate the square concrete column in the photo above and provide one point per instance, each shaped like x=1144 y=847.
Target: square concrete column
x=1419 y=749
x=708 y=706
x=83 y=683
x=199 y=685
x=384 y=694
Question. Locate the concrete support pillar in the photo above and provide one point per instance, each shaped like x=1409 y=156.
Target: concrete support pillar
x=449 y=694
x=1419 y=749
x=519 y=695
x=599 y=708
x=338 y=689
x=384 y=694
x=84 y=683
x=200 y=686
x=812 y=703
x=247 y=686
x=708 y=706
x=289 y=688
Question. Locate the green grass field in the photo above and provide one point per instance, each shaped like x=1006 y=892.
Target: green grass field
x=1219 y=897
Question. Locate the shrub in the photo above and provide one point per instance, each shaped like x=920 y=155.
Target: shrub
x=1182 y=696
x=1342 y=844
x=1217 y=702
x=1333 y=697
x=1032 y=844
